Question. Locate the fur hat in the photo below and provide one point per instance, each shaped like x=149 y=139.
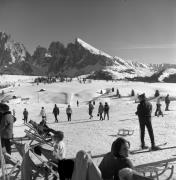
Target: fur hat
x=4 y=107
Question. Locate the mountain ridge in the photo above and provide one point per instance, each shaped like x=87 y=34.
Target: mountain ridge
x=78 y=58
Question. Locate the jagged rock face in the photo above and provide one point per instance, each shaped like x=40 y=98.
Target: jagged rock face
x=78 y=58
x=10 y=51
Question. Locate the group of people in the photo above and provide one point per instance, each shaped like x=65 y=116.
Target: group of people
x=158 y=111
x=115 y=164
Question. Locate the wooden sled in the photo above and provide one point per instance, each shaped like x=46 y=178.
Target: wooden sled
x=156 y=169
x=125 y=132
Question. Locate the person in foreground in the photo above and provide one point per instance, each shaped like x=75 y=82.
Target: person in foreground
x=6 y=127
x=144 y=110
x=115 y=160
x=116 y=165
x=84 y=168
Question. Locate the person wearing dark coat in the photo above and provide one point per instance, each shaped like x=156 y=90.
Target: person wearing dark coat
x=106 y=110
x=91 y=107
x=101 y=110
x=25 y=115
x=6 y=127
x=144 y=110
x=56 y=112
x=167 y=102
x=116 y=159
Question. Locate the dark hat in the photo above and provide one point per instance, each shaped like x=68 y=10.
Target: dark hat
x=142 y=96
x=4 y=107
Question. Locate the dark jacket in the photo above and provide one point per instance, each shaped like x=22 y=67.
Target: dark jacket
x=25 y=113
x=111 y=165
x=167 y=100
x=6 y=126
x=144 y=109
x=106 y=108
x=55 y=110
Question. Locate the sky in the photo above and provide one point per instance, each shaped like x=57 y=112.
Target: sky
x=138 y=30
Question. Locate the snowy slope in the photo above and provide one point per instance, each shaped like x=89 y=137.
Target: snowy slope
x=167 y=73
x=120 y=68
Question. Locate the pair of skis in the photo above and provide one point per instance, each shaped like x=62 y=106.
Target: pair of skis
x=161 y=146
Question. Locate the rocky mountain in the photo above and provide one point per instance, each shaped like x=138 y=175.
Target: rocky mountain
x=14 y=57
x=78 y=58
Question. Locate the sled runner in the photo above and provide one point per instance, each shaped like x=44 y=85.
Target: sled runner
x=157 y=169
x=125 y=132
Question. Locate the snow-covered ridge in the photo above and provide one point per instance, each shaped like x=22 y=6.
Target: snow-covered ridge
x=167 y=73
x=92 y=49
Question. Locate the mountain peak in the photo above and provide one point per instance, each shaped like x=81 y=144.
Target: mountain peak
x=92 y=49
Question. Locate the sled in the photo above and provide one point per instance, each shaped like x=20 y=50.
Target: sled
x=125 y=132
x=157 y=169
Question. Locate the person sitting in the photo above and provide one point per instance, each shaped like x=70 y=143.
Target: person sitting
x=115 y=160
x=84 y=168
x=57 y=156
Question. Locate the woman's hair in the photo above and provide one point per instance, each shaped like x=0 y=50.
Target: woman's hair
x=116 y=145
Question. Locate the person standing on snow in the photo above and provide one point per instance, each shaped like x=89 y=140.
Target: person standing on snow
x=91 y=107
x=56 y=112
x=106 y=110
x=43 y=114
x=101 y=110
x=158 y=111
x=167 y=102
x=144 y=110
x=69 y=112
x=25 y=115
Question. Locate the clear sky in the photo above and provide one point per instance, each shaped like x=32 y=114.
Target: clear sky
x=141 y=30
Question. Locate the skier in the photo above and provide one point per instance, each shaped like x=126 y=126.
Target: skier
x=144 y=110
